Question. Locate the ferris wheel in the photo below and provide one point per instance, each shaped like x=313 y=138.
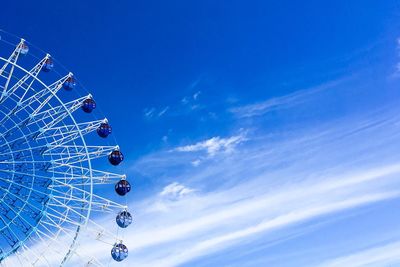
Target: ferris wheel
x=54 y=179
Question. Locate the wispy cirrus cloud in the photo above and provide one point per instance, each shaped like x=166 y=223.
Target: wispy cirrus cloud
x=155 y=113
x=397 y=68
x=208 y=222
x=196 y=95
x=190 y=99
x=282 y=102
x=214 y=145
x=163 y=111
x=176 y=191
x=267 y=188
x=383 y=255
x=149 y=112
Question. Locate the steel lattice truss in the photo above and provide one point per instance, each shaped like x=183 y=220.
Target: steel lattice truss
x=47 y=178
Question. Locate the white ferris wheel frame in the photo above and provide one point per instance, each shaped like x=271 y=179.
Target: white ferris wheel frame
x=66 y=159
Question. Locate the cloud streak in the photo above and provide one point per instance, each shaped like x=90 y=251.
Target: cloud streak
x=197 y=225
x=256 y=196
x=176 y=191
x=214 y=145
x=384 y=255
x=282 y=102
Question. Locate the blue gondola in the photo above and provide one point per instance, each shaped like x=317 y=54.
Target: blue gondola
x=119 y=252
x=124 y=219
x=88 y=105
x=103 y=131
x=115 y=157
x=48 y=65
x=69 y=83
x=24 y=49
x=122 y=187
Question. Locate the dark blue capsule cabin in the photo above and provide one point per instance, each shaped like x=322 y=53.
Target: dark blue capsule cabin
x=122 y=187
x=124 y=219
x=24 y=49
x=88 y=106
x=115 y=157
x=48 y=65
x=103 y=131
x=69 y=83
x=119 y=252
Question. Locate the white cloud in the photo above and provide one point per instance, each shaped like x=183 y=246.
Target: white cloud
x=214 y=243
x=190 y=99
x=397 y=66
x=194 y=107
x=185 y=100
x=163 y=111
x=195 y=83
x=176 y=191
x=214 y=145
x=196 y=95
x=384 y=255
x=149 y=112
x=196 y=162
x=286 y=101
x=267 y=187
x=276 y=186
x=206 y=223
x=167 y=234
x=152 y=112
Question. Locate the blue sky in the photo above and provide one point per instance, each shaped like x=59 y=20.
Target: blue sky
x=256 y=133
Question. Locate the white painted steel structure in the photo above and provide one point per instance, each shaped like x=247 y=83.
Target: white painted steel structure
x=47 y=175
